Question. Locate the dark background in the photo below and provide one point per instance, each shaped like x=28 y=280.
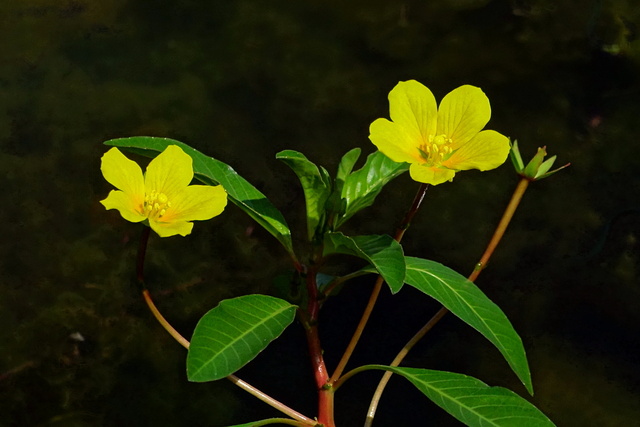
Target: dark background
x=242 y=80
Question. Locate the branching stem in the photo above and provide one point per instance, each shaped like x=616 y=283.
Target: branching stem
x=375 y=292
x=493 y=243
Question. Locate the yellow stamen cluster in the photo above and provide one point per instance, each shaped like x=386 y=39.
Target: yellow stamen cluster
x=436 y=149
x=156 y=204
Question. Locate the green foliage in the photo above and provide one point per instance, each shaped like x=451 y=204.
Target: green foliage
x=330 y=204
x=345 y=167
x=469 y=303
x=383 y=252
x=316 y=184
x=363 y=186
x=233 y=333
x=237 y=330
x=471 y=401
x=211 y=171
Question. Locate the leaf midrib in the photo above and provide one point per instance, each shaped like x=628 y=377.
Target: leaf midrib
x=220 y=354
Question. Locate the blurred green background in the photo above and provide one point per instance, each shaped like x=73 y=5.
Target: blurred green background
x=242 y=80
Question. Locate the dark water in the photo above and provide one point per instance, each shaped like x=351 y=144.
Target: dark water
x=242 y=80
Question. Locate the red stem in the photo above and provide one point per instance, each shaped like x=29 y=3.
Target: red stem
x=321 y=376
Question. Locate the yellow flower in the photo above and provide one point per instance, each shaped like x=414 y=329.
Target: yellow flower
x=163 y=195
x=438 y=142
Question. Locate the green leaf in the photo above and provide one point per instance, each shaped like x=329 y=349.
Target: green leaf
x=469 y=303
x=384 y=253
x=212 y=172
x=230 y=335
x=516 y=157
x=363 y=186
x=471 y=401
x=346 y=165
x=316 y=185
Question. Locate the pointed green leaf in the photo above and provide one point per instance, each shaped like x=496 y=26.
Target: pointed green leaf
x=548 y=174
x=471 y=401
x=211 y=171
x=516 y=157
x=384 y=253
x=545 y=166
x=316 y=185
x=464 y=299
x=532 y=167
x=346 y=165
x=230 y=335
x=363 y=186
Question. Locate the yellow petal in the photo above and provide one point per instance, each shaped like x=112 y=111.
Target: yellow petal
x=394 y=141
x=463 y=113
x=168 y=229
x=430 y=175
x=122 y=173
x=488 y=150
x=170 y=172
x=196 y=202
x=130 y=207
x=413 y=107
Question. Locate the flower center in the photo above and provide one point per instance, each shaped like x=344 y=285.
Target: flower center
x=156 y=204
x=436 y=149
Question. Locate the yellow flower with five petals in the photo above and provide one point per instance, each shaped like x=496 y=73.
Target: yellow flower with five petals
x=162 y=196
x=439 y=141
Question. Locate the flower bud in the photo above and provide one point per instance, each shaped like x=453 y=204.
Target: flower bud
x=537 y=168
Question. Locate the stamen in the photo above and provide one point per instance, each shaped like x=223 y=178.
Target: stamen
x=437 y=147
x=156 y=204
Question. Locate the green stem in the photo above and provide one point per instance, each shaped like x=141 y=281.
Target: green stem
x=491 y=247
x=375 y=292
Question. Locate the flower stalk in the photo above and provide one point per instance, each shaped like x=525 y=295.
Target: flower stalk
x=510 y=210
x=375 y=292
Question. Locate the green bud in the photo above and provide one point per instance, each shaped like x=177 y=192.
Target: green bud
x=531 y=170
x=537 y=168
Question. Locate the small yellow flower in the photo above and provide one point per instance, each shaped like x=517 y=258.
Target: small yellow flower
x=439 y=141
x=163 y=195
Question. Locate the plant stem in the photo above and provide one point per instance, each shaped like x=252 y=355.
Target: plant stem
x=493 y=243
x=160 y=318
x=325 y=392
x=144 y=239
x=309 y=319
x=375 y=292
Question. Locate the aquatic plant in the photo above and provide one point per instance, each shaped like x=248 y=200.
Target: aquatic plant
x=432 y=143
